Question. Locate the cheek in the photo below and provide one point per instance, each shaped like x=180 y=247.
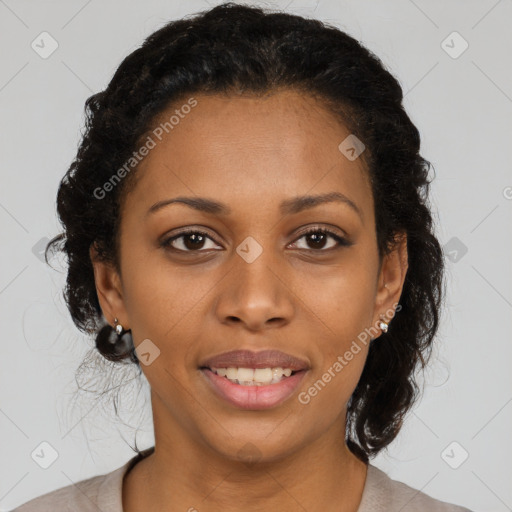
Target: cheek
x=344 y=299
x=159 y=295
x=344 y=304
x=325 y=397
x=340 y=354
x=344 y=351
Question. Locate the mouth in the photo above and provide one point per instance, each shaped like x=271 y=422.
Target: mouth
x=253 y=376
x=254 y=380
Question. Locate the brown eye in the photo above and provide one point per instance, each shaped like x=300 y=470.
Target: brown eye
x=317 y=239
x=192 y=241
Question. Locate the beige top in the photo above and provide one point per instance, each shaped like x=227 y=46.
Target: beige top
x=103 y=493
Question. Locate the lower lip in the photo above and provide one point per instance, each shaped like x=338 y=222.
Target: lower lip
x=254 y=397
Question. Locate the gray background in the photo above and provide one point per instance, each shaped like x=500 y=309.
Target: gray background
x=462 y=105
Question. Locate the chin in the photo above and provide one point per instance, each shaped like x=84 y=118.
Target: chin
x=254 y=446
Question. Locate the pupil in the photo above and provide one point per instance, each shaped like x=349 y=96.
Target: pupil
x=317 y=236
x=199 y=239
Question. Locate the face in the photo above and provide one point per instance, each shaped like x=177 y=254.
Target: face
x=261 y=270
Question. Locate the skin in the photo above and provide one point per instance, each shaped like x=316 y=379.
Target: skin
x=303 y=298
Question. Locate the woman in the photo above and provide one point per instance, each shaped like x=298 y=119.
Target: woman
x=248 y=217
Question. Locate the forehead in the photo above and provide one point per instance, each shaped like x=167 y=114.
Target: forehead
x=239 y=149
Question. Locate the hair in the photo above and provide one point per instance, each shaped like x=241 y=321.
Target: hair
x=234 y=49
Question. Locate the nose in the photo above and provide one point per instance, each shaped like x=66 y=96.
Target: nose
x=255 y=295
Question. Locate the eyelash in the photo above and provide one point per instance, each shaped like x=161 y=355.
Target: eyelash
x=341 y=242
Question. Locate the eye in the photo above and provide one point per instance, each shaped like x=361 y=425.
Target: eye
x=318 y=237
x=193 y=240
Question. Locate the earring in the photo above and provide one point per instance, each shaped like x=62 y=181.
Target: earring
x=118 y=327
x=115 y=343
x=384 y=326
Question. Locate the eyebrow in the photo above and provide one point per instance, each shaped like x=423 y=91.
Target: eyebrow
x=288 y=207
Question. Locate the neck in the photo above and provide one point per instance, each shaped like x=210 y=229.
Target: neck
x=184 y=474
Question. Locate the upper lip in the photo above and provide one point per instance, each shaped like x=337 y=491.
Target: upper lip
x=249 y=359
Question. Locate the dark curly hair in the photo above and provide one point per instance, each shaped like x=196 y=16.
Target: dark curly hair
x=233 y=49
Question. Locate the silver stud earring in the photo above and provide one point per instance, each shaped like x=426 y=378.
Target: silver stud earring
x=383 y=326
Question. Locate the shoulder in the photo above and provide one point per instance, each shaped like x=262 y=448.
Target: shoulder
x=382 y=494
x=102 y=492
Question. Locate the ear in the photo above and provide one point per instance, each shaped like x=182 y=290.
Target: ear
x=109 y=290
x=391 y=280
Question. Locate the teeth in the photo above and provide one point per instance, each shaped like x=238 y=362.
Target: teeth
x=245 y=375
x=232 y=373
x=263 y=375
x=253 y=377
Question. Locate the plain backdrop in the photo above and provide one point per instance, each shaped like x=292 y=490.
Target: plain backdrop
x=453 y=61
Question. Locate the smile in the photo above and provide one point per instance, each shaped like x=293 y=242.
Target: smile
x=253 y=376
x=240 y=386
